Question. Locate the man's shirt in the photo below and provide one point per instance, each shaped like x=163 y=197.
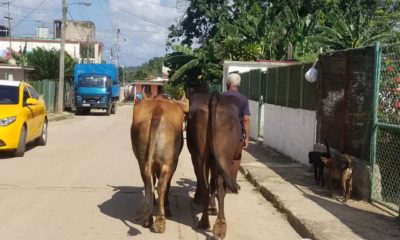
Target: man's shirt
x=244 y=102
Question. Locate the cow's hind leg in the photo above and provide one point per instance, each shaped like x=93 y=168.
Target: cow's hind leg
x=212 y=208
x=197 y=167
x=165 y=178
x=147 y=209
x=204 y=222
x=219 y=229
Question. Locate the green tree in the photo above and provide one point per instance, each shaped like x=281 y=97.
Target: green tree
x=140 y=75
x=47 y=62
x=153 y=67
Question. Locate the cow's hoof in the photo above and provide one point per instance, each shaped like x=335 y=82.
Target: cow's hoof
x=212 y=211
x=204 y=223
x=219 y=229
x=159 y=225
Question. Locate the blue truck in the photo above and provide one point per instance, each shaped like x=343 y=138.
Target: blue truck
x=96 y=87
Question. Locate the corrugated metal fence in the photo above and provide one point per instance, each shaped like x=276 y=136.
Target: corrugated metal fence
x=48 y=88
x=284 y=86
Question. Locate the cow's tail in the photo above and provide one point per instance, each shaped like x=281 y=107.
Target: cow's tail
x=149 y=188
x=212 y=113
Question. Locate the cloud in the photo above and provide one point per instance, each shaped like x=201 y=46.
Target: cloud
x=143 y=23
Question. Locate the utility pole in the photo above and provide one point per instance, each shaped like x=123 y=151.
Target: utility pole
x=60 y=96
x=9 y=18
x=118 y=48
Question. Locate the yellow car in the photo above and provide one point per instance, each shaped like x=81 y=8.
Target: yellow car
x=23 y=117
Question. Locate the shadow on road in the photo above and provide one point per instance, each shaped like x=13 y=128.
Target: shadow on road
x=123 y=206
x=10 y=154
x=125 y=203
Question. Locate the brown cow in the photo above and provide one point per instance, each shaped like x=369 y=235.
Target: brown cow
x=214 y=138
x=157 y=140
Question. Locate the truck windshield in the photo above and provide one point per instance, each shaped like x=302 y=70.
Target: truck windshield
x=8 y=95
x=100 y=81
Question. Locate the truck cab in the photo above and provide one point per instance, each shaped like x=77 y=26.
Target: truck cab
x=96 y=87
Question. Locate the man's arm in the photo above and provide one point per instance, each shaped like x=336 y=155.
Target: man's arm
x=246 y=129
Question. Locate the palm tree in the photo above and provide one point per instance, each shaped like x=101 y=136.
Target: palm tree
x=342 y=32
x=193 y=68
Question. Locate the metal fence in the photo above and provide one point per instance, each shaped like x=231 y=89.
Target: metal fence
x=385 y=154
x=48 y=89
x=284 y=86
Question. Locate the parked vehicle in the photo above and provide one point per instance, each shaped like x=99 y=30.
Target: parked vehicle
x=23 y=117
x=96 y=87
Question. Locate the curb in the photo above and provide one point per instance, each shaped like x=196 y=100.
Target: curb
x=298 y=225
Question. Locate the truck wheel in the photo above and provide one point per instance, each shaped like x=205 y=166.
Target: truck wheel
x=108 y=110
x=42 y=140
x=78 y=111
x=86 y=111
x=114 y=108
x=20 y=151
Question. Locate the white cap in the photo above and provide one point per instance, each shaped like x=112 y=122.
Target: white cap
x=233 y=79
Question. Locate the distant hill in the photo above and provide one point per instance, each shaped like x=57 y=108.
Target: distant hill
x=152 y=67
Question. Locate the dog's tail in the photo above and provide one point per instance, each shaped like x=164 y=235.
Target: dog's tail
x=327 y=147
x=350 y=162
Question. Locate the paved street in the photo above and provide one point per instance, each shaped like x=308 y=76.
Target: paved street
x=85 y=184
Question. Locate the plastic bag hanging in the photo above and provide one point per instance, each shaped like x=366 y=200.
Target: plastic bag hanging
x=312 y=73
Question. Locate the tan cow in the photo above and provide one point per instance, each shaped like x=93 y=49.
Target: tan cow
x=157 y=140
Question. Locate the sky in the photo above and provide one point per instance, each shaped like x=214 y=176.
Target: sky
x=143 y=24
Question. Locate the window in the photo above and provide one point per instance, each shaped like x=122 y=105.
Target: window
x=9 y=95
x=33 y=93
x=26 y=95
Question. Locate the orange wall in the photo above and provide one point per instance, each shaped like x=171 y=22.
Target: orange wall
x=153 y=88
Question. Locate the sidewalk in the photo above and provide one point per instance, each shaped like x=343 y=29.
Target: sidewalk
x=59 y=116
x=291 y=188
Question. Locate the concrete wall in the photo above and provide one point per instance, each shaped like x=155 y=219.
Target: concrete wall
x=290 y=131
x=13 y=74
x=254 y=119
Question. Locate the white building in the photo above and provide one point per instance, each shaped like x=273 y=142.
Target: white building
x=80 y=41
x=73 y=48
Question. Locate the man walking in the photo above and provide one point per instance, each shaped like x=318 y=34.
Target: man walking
x=233 y=84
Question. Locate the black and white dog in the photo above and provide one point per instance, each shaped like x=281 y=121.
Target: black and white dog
x=315 y=159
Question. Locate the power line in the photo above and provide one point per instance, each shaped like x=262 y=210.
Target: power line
x=157 y=4
x=136 y=15
x=79 y=31
x=107 y=16
x=29 y=14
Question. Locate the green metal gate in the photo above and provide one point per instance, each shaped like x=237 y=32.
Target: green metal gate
x=385 y=150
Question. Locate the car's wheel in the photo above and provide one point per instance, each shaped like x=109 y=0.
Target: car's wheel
x=42 y=140
x=20 y=151
x=114 y=108
x=78 y=111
